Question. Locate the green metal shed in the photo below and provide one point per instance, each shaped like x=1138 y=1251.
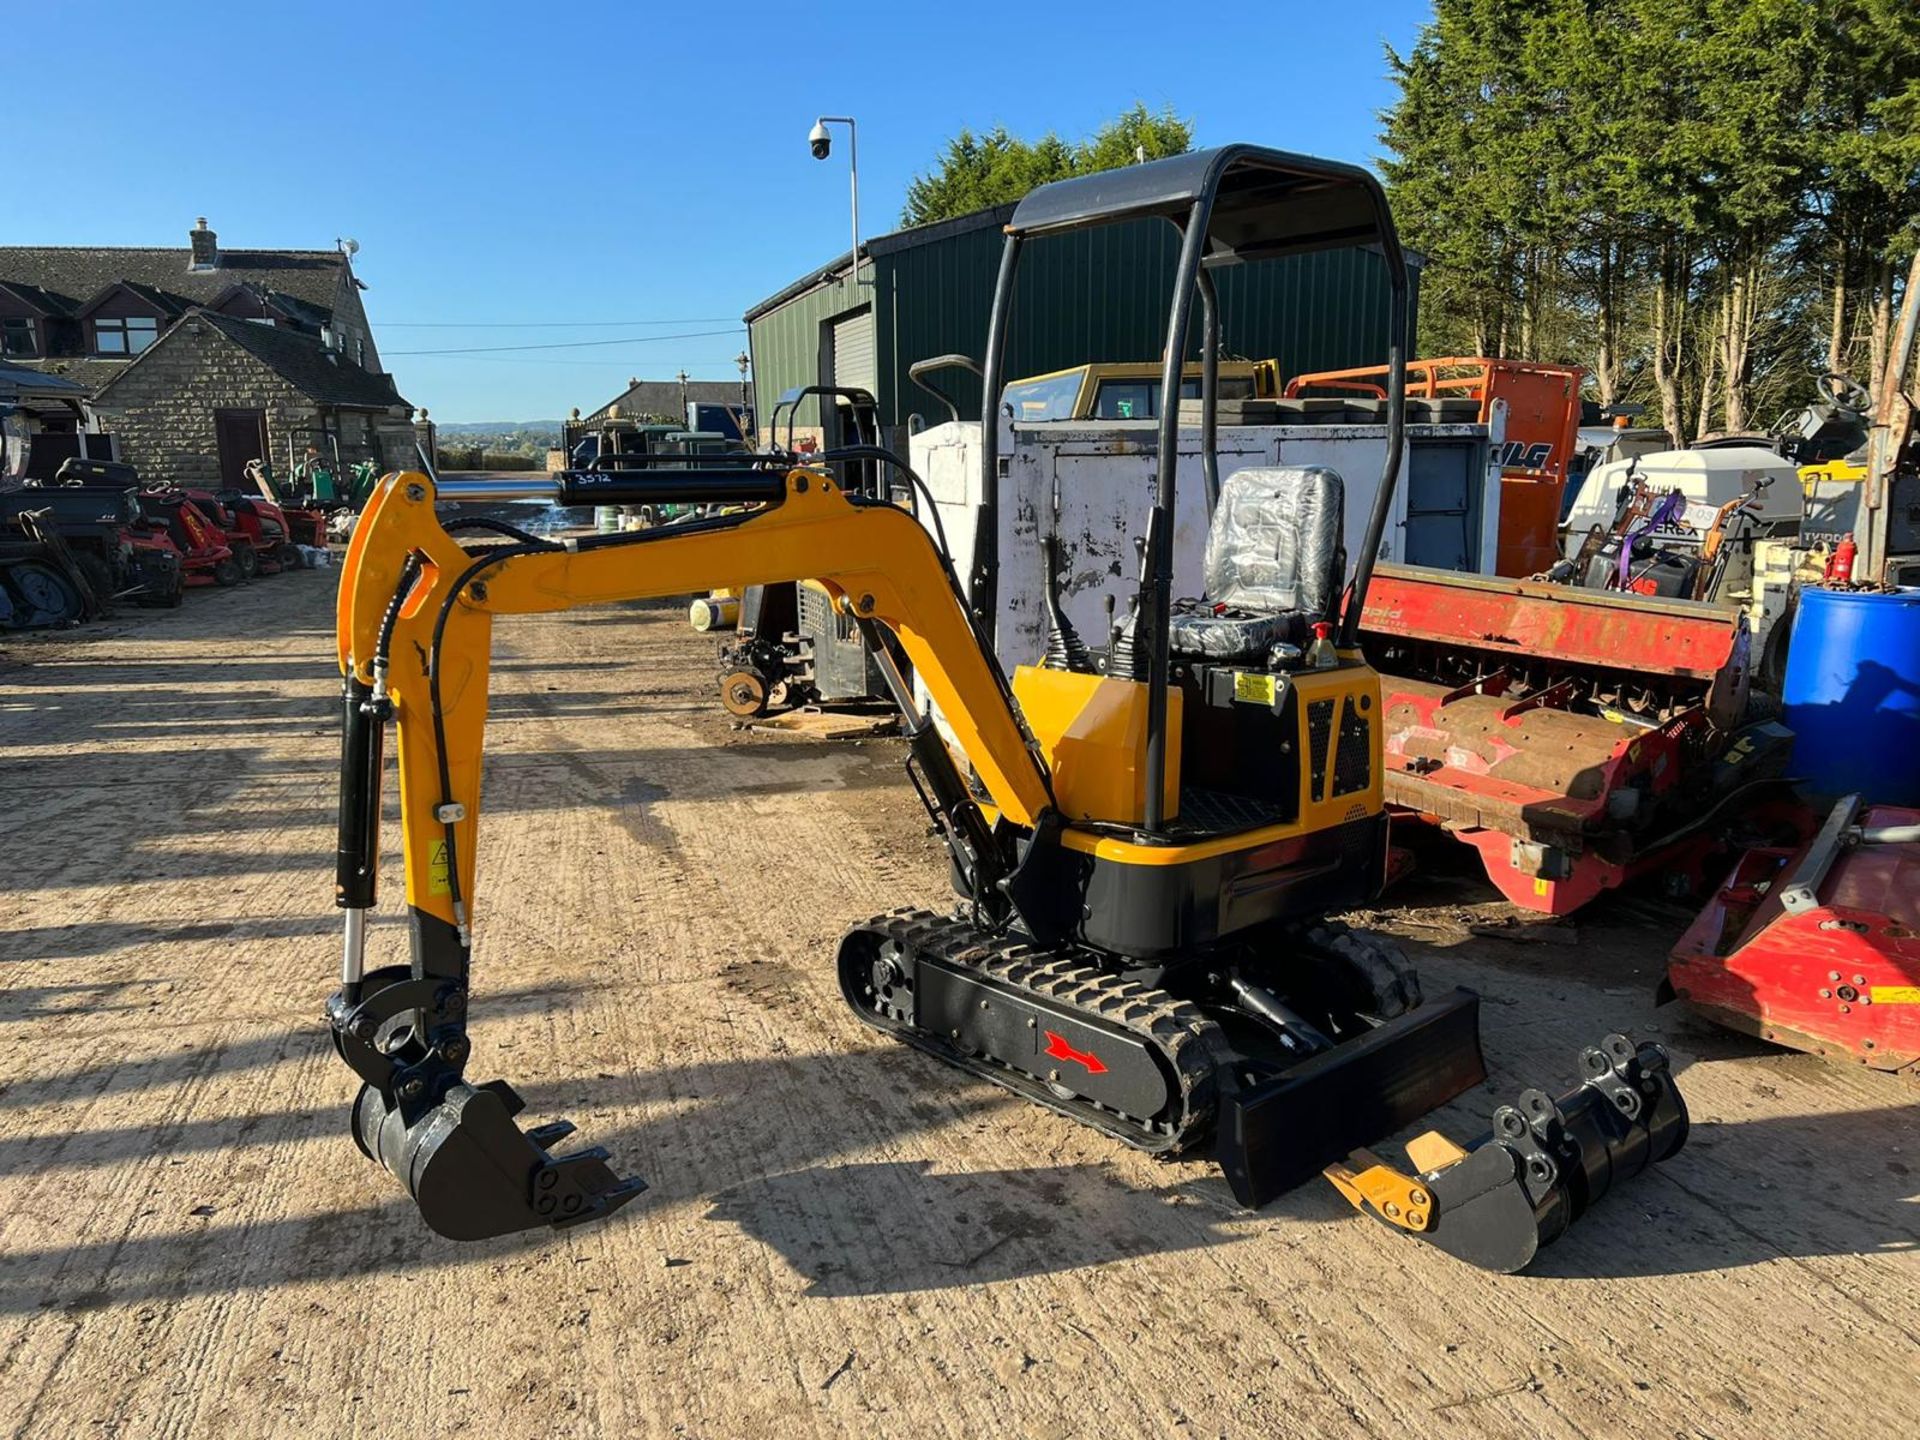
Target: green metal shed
x=1096 y=295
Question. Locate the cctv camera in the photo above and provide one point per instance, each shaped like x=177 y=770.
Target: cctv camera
x=819 y=141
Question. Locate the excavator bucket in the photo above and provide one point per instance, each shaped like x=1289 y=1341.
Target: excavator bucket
x=475 y=1174
x=1543 y=1165
x=453 y=1144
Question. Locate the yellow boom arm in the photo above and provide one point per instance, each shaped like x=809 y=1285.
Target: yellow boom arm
x=874 y=559
x=416 y=615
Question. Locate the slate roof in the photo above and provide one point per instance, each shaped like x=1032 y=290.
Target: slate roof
x=295 y=309
x=85 y=369
x=42 y=300
x=172 y=306
x=301 y=360
x=662 y=397
x=76 y=273
x=17 y=381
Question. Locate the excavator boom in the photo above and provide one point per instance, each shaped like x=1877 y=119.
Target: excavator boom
x=416 y=610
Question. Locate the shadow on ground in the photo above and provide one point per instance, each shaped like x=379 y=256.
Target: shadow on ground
x=747 y=1136
x=969 y=1227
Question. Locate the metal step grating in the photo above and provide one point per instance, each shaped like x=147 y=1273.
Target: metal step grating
x=1214 y=812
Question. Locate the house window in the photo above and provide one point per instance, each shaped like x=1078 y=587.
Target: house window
x=17 y=337
x=124 y=335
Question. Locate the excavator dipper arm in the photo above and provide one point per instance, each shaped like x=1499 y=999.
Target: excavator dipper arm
x=415 y=620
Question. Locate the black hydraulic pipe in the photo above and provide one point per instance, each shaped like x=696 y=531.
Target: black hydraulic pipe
x=357 y=852
x=983 y=575
x=1295 y=1031
x=362 y=728
x=919 y=487
x=976 y=855
x=1209 y=387
x=625 y=462
x=1156 y=590
x=1399 y=291
x=674 y=487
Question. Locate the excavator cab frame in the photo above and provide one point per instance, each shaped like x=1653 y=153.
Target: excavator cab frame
x=1166 y=978
x=1234 y=205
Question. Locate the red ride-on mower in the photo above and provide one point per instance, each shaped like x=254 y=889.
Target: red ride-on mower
x=240 y=537
x=306 y=518
x=267 y=526
x=205 y=555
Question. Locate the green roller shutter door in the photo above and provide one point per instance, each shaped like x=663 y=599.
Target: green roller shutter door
x=853 y=365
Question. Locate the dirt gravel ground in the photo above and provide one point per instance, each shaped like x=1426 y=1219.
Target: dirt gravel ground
x=842 y=1237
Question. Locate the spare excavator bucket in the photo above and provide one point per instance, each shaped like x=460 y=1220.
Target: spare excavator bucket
x=1544 y=1164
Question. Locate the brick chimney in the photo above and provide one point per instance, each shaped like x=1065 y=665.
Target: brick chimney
x=206 y=246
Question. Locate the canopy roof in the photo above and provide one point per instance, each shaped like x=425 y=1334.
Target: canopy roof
x=1266 y=202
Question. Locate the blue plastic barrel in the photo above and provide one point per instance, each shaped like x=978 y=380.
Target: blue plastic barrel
x=1852 y=694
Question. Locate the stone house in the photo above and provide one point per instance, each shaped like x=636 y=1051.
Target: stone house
x=213 y=392
x=199 y=359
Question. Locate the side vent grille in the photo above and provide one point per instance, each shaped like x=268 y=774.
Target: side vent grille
x=1319 y=734
x=1353 y=757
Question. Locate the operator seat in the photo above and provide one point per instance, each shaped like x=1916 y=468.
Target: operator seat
x=1274 y=564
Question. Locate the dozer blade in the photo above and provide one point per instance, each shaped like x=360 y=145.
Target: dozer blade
x=475 y=1174
x=1278 y=1133
x=1544 y=1164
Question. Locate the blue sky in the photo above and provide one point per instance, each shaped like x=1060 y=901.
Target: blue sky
x=513 y=171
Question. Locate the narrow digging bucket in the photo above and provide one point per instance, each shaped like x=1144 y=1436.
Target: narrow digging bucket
x=475 y=1174
x=1543 y=1166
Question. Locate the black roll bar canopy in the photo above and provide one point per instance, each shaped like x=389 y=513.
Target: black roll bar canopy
x=1235 y=204
x=1263 y=202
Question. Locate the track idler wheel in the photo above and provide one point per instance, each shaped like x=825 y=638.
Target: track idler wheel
x=475 y=1174
x=1545 y=1163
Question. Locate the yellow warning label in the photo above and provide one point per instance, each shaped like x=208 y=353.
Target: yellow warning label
x=437 y=879
x=1258 y=689
x=1543 y=887
x=1895 y=994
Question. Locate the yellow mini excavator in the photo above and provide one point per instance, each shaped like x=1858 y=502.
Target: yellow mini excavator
x=1144 y=845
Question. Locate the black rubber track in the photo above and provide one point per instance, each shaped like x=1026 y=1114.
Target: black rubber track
x=1180 y=1035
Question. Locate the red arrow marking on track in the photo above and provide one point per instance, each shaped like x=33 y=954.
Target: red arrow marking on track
x=1059 y=1049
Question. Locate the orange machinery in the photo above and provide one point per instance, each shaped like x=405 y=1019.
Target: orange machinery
x=1543 y=417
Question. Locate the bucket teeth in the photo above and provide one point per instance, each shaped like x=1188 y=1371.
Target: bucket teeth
x=546 y=1135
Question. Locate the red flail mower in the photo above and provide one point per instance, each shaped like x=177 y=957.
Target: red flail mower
x=1817 y=947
